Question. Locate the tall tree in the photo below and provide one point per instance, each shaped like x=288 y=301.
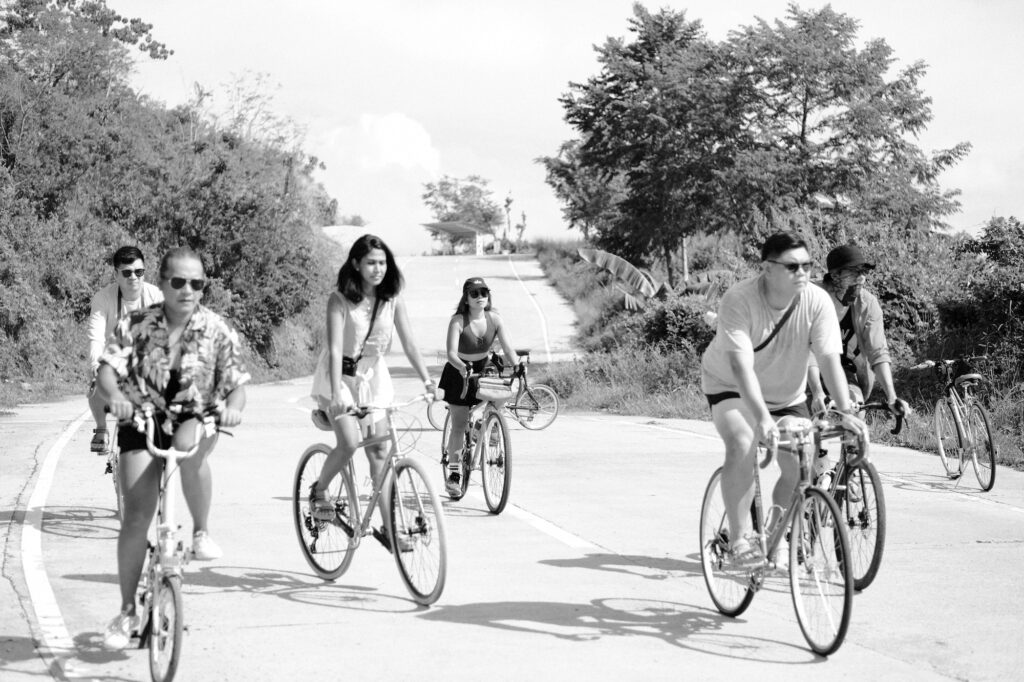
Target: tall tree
x=465 y=200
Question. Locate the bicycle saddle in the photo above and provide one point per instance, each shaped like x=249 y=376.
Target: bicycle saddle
x=968 y=379
x=523 y=351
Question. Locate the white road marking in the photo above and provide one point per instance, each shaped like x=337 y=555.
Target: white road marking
x=547 y=527
x=56 y=641
x=540 y=313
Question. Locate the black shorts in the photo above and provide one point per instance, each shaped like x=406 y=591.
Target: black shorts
x=798 y=410
x=129 y=438
x=452 y=381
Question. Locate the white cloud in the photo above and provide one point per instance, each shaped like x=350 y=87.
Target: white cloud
x=378 y=141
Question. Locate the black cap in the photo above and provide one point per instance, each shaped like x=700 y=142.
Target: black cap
x=847 y=256
x=474 y=283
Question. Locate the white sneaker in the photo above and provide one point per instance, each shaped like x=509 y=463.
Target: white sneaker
x=119 y=631
x=204 y=548
x=781 y=557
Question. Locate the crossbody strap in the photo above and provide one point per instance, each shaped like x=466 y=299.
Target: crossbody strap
x=369 y=329
x=782 y=321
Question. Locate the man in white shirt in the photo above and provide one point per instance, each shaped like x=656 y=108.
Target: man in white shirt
x=754 y=372
x=126 y=293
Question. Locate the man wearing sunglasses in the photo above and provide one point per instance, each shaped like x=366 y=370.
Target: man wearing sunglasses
x=754 y=372
x=128 y=292
x=865 y=352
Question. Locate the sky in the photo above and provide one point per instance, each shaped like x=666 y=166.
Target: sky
x=394 y=94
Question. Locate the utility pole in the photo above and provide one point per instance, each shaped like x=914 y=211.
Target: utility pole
x=508 y=216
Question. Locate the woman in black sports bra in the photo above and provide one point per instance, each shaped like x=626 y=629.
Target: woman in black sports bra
x=471 y=332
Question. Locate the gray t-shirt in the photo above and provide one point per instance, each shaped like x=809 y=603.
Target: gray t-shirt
x=745 y=320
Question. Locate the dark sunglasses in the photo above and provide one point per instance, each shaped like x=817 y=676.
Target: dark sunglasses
x=795 y=267
x=138 y=272
x=196 y=284
x=480 y=293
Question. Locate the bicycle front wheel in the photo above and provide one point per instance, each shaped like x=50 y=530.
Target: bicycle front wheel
x=820 y=572
x=436 y=413
x=166 y=628
x=494 y=454
x=537 y=407
x=983 y=450
x=729 y=586
x=327 y=543
x=417 y=532
x=862 y=508
x=948 y=439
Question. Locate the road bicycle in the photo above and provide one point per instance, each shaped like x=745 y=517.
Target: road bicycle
x=534 y=406
x=820 y=570
x=962 y=426
x=416 y=532
x=162 y=621
x=487 y=448
x=856 y=487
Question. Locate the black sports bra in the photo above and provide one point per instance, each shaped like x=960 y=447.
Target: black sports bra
x=470 y=343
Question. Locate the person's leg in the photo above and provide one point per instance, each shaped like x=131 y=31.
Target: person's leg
x=347 y=433
x=457 y=437
x=196 y=475
x=734 y=425
x=97 y=406
x=789 y=467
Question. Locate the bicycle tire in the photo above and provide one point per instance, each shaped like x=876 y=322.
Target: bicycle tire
x=466 y=461
x=417 y=521
x=820 y=572
x=494 y=452
x=730 y=589
x=948 y=439
x=434 y=411
x=537 y=407
x=327 y=546
x=983 y=450
x=861 y=503
x=166 y=629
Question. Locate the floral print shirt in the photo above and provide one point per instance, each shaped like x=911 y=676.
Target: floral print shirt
x=210 y=363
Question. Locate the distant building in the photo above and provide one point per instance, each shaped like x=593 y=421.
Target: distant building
x=453 y=236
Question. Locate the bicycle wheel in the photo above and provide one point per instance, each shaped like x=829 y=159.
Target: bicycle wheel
x=327 y=545
x=166 y=628
x=820 y=572
x=730 y=588
x=983 y=450
x=494 y=452
x=417 y=532
x=536 y=407
x=437 y=410
x=948 y=439
x=466 y=462
x=862 y=508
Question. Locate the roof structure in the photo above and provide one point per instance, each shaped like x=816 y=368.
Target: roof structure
x=456 y=229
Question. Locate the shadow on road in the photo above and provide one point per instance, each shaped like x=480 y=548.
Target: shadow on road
x=81 y=523
x=652 y=568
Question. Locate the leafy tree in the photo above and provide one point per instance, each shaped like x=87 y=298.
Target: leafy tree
x=589 y=198
x=464 y=200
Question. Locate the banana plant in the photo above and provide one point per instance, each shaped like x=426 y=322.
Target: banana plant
x=636 y=285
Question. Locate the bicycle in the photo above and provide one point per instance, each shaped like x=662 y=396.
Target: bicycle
x=415 y=534
x=487 y=448
x=162 y=622
x=857 y=490
x=534 y=406
x=820 y=570
x=962 y=426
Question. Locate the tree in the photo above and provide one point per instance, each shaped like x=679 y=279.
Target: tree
x=466 y=200
x=588 y=197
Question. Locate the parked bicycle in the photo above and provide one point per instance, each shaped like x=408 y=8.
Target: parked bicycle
x=820 y=570
x=857 y=490
x=962 y=429
x=534 y=406
x=162 y=615
x=415 y=534
x=487 y=448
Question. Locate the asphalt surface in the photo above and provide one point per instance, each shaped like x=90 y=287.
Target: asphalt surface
x=592 y=572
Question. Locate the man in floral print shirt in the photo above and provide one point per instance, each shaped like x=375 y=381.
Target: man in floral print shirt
x=186 y=361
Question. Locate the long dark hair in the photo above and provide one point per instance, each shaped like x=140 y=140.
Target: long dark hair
x=350 y=282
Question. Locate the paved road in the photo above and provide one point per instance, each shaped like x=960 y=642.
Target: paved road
x=591 y=573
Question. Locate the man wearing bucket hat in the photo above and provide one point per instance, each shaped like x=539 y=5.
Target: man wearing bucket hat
x=865 y=355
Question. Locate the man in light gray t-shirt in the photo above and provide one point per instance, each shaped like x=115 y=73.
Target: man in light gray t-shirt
x=755 y=372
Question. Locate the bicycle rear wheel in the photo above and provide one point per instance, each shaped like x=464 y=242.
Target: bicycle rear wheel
x=537 y=407
x=862 y=508
x=437 y=410
x=820 y=572
x=948 y=439
x=166 y=628
x=729 y=587
x=494 y=450
x=983 y=450
x=417 y=532
x=328 y=545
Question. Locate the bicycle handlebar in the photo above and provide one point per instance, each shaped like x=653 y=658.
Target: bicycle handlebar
x=144 y=422
x=360 y=411
x=819 y=423
x=885 y=407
